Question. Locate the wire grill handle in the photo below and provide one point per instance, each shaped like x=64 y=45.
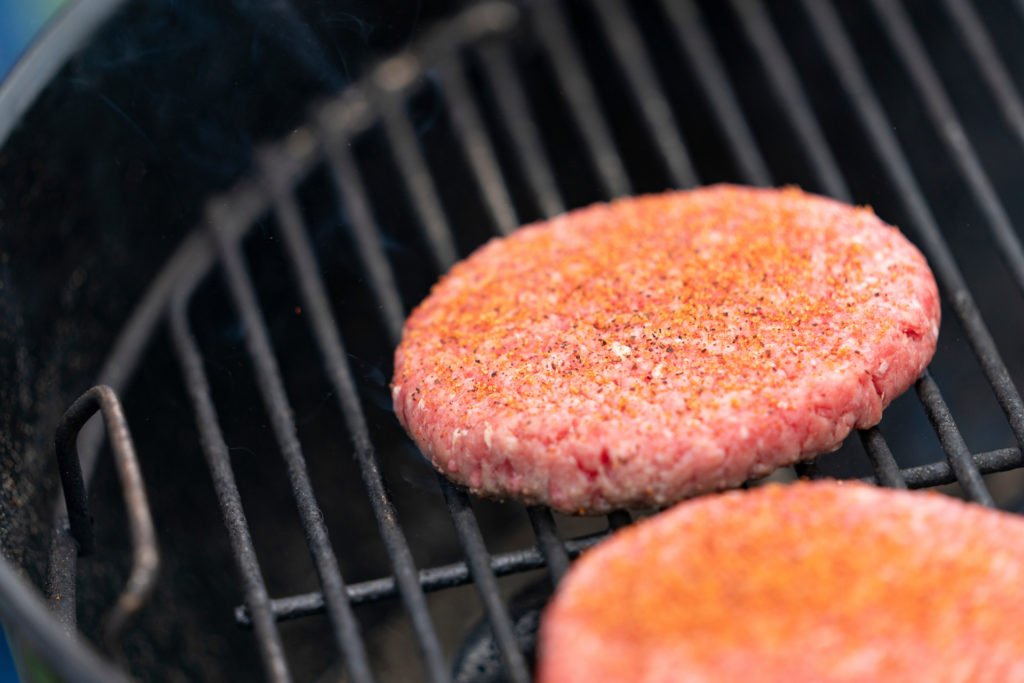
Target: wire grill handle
x=145 y=555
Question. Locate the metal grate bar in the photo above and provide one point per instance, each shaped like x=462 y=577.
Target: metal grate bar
x=219 y=461
x=413 y=169
x=353 y=203
x=783 y=79
x=479 y=562
x=508 y=90
x=887 y=471
x=550 y=25
x=627 y=44
x=550 y=545
x=981 y=47
x=306 y=272
x=476 y=145
x=696 y=42
x=947 y=123
x=432 y=579
x=271 y=386
x=353 y=199
x=844 y=60
x=952 y=441
x=939 y=473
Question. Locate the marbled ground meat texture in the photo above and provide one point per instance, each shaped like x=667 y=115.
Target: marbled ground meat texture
x=819 y=581
x=636 y=353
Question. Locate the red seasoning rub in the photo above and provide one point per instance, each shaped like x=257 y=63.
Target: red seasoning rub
x=820 y=581
x=639 y=352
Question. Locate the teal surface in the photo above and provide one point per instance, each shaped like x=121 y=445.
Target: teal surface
x=20 y=22
x=8 y=674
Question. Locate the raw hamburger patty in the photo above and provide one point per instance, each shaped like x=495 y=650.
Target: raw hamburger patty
x=638 y=352
x=809 y=582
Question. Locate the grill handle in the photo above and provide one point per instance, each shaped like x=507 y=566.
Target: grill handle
x=145 y=556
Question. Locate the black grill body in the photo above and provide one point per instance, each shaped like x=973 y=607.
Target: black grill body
x=297 y=533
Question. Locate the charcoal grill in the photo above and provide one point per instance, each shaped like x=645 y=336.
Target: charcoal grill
x=516 y=147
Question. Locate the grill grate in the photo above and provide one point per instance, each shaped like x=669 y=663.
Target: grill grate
x=483 y=33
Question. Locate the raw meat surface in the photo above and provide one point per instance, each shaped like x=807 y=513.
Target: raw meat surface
x=823 y=581
x=636 y=353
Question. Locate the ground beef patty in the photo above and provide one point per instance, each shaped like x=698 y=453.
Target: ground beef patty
x=817 y=581
x=638 y=352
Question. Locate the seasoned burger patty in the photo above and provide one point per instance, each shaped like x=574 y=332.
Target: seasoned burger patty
x=639 y=352
x=820 y=581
